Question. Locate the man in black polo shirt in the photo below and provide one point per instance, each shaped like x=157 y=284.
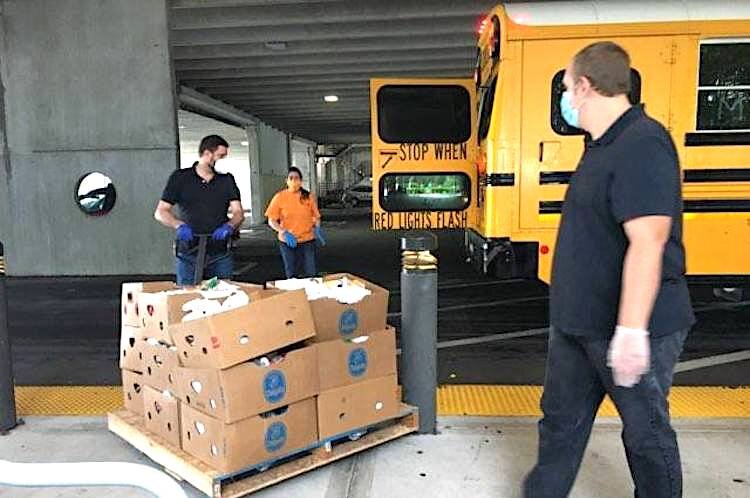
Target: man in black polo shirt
x=204 y=198
x=619 y=303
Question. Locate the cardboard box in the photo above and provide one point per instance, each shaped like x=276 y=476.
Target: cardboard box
x=162 y=415
x=247 y=389
x=131 y=349
x=160 y=367
x=356 y=406
x=252 y=441
x=347 y=361
x=334 y=320
x=132 y=391
x=273 y=320
x=160 y=309
x=129 y=303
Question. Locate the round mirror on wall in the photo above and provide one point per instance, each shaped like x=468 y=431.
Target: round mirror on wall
x=95 y=194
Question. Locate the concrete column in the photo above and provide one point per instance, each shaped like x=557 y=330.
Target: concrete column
x=313 y=168
x=273 y=160
x=87 y=87
x=256 y=184
x=303 y=157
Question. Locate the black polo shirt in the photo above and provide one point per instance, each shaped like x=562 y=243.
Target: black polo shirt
x=203 y=205
x=631 y=171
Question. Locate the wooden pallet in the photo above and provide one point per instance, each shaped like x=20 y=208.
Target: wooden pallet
x=183 y=466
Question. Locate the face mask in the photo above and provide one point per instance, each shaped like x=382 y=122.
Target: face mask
x=569 y=114
x=294 y=185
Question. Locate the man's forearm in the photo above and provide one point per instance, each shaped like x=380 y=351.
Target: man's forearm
x=237 y=219
x=641 y=279
x=167 y=219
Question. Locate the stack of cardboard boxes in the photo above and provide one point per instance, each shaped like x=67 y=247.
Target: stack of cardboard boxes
x=356 y=358
x=250 y=385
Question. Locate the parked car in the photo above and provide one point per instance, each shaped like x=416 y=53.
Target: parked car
x=358 y=195
x=332 y=198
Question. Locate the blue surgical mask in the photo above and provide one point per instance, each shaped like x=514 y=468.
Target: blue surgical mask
x=569 y=114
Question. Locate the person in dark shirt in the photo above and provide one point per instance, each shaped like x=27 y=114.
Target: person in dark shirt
x=619 y=304
x=204 y=198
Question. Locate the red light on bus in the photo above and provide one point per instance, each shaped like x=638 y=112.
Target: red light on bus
x=544 y=250
x=482 y=25
x=482 y=164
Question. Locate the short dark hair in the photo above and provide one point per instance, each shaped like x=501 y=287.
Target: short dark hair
x=211 y=143
x=606 y=65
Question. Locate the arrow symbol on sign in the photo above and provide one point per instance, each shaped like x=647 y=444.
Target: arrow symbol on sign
x=388 y=155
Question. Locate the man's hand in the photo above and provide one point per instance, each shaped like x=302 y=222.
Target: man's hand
x=629 y=356
x=223 y=232
x=185 y=233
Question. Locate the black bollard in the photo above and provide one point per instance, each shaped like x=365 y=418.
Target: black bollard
x=7 y=390
x=419 y=326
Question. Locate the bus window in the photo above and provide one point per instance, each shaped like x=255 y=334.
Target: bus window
x=724 y=87
x=424 y=114
x=425 y=192
x=559 y=125
x=487 y=99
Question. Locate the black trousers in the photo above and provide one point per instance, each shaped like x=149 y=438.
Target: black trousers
x=576 y=381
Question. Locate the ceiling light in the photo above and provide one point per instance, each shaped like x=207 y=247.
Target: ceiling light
x=331 y=98
x=182 y=127
x=244 y=143
x=277 y=45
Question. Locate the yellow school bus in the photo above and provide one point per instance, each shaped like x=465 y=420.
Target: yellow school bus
x=492 y=155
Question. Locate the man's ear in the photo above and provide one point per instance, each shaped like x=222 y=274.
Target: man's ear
x=585 y=84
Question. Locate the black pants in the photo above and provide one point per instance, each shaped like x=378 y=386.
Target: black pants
x=576 y=381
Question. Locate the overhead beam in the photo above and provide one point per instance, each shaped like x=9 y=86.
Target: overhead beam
x=340 y=137
x=304 y=101
x=328 y=89
x=212 y=4
x=374 y=43
x=343 y=12
x=311 y=97
x=406 y=54
x=205 y=83
x=266 y=114
x=361 y=117
x=313 y=132
x=361 y=114
x=208 y=106
x=329 y=70
x=308 y=31
x=363 y=103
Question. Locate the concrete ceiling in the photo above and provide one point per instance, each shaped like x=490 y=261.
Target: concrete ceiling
x=276 y=59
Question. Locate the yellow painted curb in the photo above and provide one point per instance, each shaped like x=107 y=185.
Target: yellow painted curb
x=453 y=400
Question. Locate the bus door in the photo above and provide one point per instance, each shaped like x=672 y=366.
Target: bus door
x=551 y=148
x=424 y=139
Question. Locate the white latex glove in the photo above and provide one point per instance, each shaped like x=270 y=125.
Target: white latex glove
x=629 y=355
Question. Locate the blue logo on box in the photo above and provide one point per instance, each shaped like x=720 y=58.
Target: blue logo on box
x=358 y=362
x=348 y=322
x=274 y=386
x=275 y=437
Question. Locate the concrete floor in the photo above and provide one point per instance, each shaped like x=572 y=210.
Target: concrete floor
x=470 y=458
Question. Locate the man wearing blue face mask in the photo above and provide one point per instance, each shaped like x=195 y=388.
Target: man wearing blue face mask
x=619 y=303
